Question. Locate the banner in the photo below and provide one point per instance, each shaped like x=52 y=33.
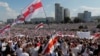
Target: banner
x=84 y=34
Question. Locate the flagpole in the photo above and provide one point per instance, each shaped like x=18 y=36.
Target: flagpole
x=44 y=13
x=9 y=33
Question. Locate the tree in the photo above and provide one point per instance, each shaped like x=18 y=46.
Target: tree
x=98 y=26
x=98 y=19
x=27 y=22
x=77 y=20
x=67 y=20
x=85 y=27
x=81 y=27
x=47 y=21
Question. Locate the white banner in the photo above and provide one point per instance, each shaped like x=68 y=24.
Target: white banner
x=84 y=34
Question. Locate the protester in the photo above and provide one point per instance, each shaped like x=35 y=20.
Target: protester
x=27 y=42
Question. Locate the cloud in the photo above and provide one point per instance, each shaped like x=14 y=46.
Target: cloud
x=8 y=12
x=93 y=10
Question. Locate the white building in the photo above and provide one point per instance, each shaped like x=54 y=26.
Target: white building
x=38 y=20
x=66 y=12
x=50 y=19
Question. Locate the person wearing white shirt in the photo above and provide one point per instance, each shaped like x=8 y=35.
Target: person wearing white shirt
x=64 y=48
x=34 y=50
x=24 y=53
x=19 y=51
x=86 y=52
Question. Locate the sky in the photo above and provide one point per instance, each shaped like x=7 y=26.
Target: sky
x=12 y=8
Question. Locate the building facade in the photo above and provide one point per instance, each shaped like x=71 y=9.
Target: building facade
x=38 y=20
x=10 y=21
x=87 y=16
x=80 y=16
x=50 y=19
x=66 y=12
x=59 y=13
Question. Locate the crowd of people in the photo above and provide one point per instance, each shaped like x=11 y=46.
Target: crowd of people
x=32 y=43
x=66 y=46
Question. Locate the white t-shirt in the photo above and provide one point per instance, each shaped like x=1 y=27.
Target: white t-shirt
x=75 y=50
x=85 y=54
x=19 y=51
x=34 y=51
x=4 y=46
x=64 y=50
x=24 y=54
x=80 y=47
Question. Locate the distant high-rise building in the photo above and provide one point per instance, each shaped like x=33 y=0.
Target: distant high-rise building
x=10 y=20
x=66 y=12
x=80 y=16
x=87 y=16
x=59 y=13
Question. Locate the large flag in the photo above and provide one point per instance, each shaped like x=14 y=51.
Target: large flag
x=29 y=10
x=5 y=29
x=50 y=46
x=26 y=13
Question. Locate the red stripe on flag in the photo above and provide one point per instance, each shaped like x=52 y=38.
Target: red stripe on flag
x=34 y=6
x=39 y=26
x=31 y=9
x=37 y=5
x=96 y=35
x=5 y=28
x=51 y=43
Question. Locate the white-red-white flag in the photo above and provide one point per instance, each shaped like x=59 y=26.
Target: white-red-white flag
x=6 y=28
x=59 y=33
x=96 y=36
x=41 y=25
x=29 y=10
x=72 y=35
x=50 y=46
